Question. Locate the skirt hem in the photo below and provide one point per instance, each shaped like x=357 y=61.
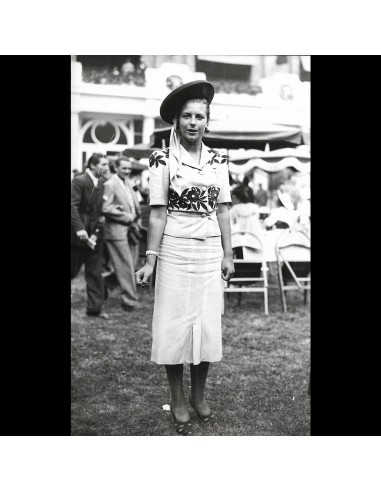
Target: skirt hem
x=184 y=362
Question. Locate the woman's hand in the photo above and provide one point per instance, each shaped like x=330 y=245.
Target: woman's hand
x=227 y=268
x=142 y=276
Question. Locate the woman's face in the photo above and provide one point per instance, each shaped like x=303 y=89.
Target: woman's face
x=192 y=121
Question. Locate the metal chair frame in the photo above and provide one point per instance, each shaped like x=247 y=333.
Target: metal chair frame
x=239 y=281
x=287 y=266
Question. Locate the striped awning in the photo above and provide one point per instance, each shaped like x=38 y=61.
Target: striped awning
x=241 y=134
x=270 y=167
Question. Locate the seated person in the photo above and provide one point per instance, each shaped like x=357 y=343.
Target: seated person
x=304 y=209
x=244 y=221
x=283 y=216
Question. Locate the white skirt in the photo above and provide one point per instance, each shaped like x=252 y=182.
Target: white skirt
x=186 y=326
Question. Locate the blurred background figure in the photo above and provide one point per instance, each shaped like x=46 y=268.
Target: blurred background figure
x=112 y=168
x=283 y=216
x=87 y=230
x=244 y=219
x=261 y=196
x=249 y=190
x=145 y=212
x=75 y=173
x=244 y=213
x=304 y=210
x=127 y=70
x=121 y=230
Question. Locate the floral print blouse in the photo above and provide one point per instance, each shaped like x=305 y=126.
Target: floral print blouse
x=196 y=188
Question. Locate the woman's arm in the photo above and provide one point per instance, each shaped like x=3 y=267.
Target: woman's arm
x=156 y=224
x=227 y=266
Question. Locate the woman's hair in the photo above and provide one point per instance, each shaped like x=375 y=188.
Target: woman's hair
x=203 y=100
x=241 y=193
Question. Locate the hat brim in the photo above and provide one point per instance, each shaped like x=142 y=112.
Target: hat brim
x=197 y=89
x=286 y=201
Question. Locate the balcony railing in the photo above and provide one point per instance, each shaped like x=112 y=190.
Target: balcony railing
x=235 y=87
x=137 y=78
x=115 y=77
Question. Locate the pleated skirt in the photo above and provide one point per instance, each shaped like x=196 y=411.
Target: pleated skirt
x=186 y=326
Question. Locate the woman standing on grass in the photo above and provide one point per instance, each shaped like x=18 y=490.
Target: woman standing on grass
x=188 y=224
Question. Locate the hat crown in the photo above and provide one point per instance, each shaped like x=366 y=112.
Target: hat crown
x=197 y=89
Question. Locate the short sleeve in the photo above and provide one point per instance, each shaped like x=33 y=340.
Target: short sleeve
x=158 y=178
x=224 y=195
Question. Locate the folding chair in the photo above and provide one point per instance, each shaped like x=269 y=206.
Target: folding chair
x=293 y=253
x=251 y=271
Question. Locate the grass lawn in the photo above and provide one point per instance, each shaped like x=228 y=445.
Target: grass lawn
x=260 y=388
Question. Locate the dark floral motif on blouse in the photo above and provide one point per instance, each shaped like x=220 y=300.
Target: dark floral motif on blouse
x=158 y=157
x=217 y=157
x=213 y=193
x=177 y=201
x=193 y=198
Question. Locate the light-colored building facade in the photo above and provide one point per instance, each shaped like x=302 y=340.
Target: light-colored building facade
x=115 y=103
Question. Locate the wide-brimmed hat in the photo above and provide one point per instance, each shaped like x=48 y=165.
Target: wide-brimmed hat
x=285 y=200
x=197 y=89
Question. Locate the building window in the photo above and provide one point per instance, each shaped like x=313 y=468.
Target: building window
x=105 y=132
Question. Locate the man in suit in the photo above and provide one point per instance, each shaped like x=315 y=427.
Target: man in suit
x=122 y=211
x=87 y=230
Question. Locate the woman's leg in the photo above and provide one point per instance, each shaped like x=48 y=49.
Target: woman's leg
x=175 y=379
x=198 y=380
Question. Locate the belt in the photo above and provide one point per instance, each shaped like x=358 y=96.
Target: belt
x=191 y=213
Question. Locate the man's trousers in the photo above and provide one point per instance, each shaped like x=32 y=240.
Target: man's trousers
x=93 y=260
x=123 y=261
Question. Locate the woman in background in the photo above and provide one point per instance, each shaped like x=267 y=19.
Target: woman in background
x=245 y=223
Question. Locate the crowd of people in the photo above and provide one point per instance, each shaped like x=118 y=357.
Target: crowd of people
x=131 y=74
x=106 y=228
x=127 y=73
x=285 y=211
x=117 y=224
